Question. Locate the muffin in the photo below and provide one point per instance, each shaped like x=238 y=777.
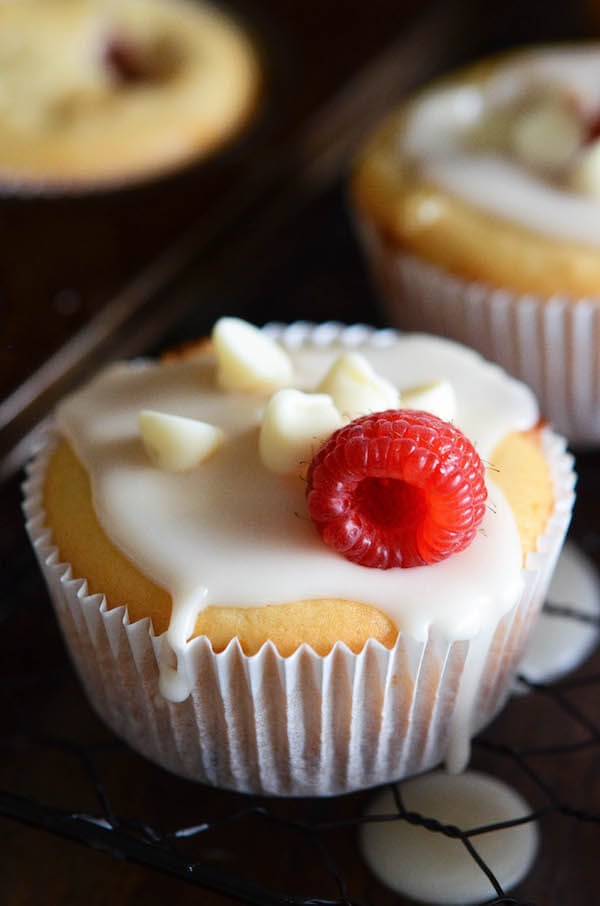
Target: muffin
x=479 y=205
x=98 y=92
x=221 y=629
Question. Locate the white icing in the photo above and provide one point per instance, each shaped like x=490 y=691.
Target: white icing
x=232 y=533
x=433 y=868
x=461 y=724
x=438 y=137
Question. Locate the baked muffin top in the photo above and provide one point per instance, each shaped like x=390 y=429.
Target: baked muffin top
x=493 y=173
x=519 y=139
x=233 y=529
x=96 y=91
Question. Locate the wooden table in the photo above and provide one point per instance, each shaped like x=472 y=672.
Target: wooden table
x=270 y=238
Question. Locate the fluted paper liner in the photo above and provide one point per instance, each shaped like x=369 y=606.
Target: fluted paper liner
x=551 y=343
x=304 y=725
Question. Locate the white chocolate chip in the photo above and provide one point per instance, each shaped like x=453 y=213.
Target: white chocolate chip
x=175 y=443
x=585 y=175
x=356 y=388
x=493 y=131
x=438 y=397
x=547 y=134
x=247 y=359
x=294 y=426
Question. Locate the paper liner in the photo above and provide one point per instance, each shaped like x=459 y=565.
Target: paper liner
x=552 y=344
x=304 y=725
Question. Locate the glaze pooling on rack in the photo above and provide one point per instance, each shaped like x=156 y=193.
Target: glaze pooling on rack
x=403 y=855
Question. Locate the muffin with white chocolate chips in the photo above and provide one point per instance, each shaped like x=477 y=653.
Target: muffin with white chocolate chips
x=479 y=205
x=102 y=92
x=301 y=560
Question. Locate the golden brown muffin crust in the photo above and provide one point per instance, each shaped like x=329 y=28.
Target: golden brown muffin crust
x=518 y=467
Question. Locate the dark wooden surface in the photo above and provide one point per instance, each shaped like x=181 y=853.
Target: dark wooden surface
x=63 y=261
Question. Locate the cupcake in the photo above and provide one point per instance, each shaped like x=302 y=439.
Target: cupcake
x=101 y=92
x=479 y=205
x=303 y=560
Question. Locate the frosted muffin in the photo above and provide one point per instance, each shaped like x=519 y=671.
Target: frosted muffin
x=479 y=204
x=218 y=630
x=98 y=92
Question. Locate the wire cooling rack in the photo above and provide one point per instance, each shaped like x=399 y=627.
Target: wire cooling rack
x=79 y=793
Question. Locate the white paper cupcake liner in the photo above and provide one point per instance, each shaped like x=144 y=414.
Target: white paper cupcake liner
x=304 y=725
x=552 y=344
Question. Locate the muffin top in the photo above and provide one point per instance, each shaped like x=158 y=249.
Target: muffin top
x=517 y=137
x=96 y=91
x=233 y=527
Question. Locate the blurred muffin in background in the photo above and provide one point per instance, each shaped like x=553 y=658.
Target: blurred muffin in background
x=101 y=92
x=479 y=206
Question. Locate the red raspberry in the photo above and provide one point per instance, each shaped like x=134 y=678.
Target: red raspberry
x=593 y=130
x=397 y=488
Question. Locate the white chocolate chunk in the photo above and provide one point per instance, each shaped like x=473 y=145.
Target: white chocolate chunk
x=585 y=175
x=493 y=131
x=356 y=388
x=177 y=444
x=294 y=426
x=247 y=359
x=547 y=134
x=438 y=397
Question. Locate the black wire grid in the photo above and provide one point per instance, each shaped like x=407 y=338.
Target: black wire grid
x=168 y=850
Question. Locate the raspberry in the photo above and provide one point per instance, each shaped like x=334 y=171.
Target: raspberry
x=397 y=488
x=123 y=59
x=593 y=130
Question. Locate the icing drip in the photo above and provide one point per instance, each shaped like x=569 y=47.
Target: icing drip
x=174 y=682
x=461 y=725
x=232 y=533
